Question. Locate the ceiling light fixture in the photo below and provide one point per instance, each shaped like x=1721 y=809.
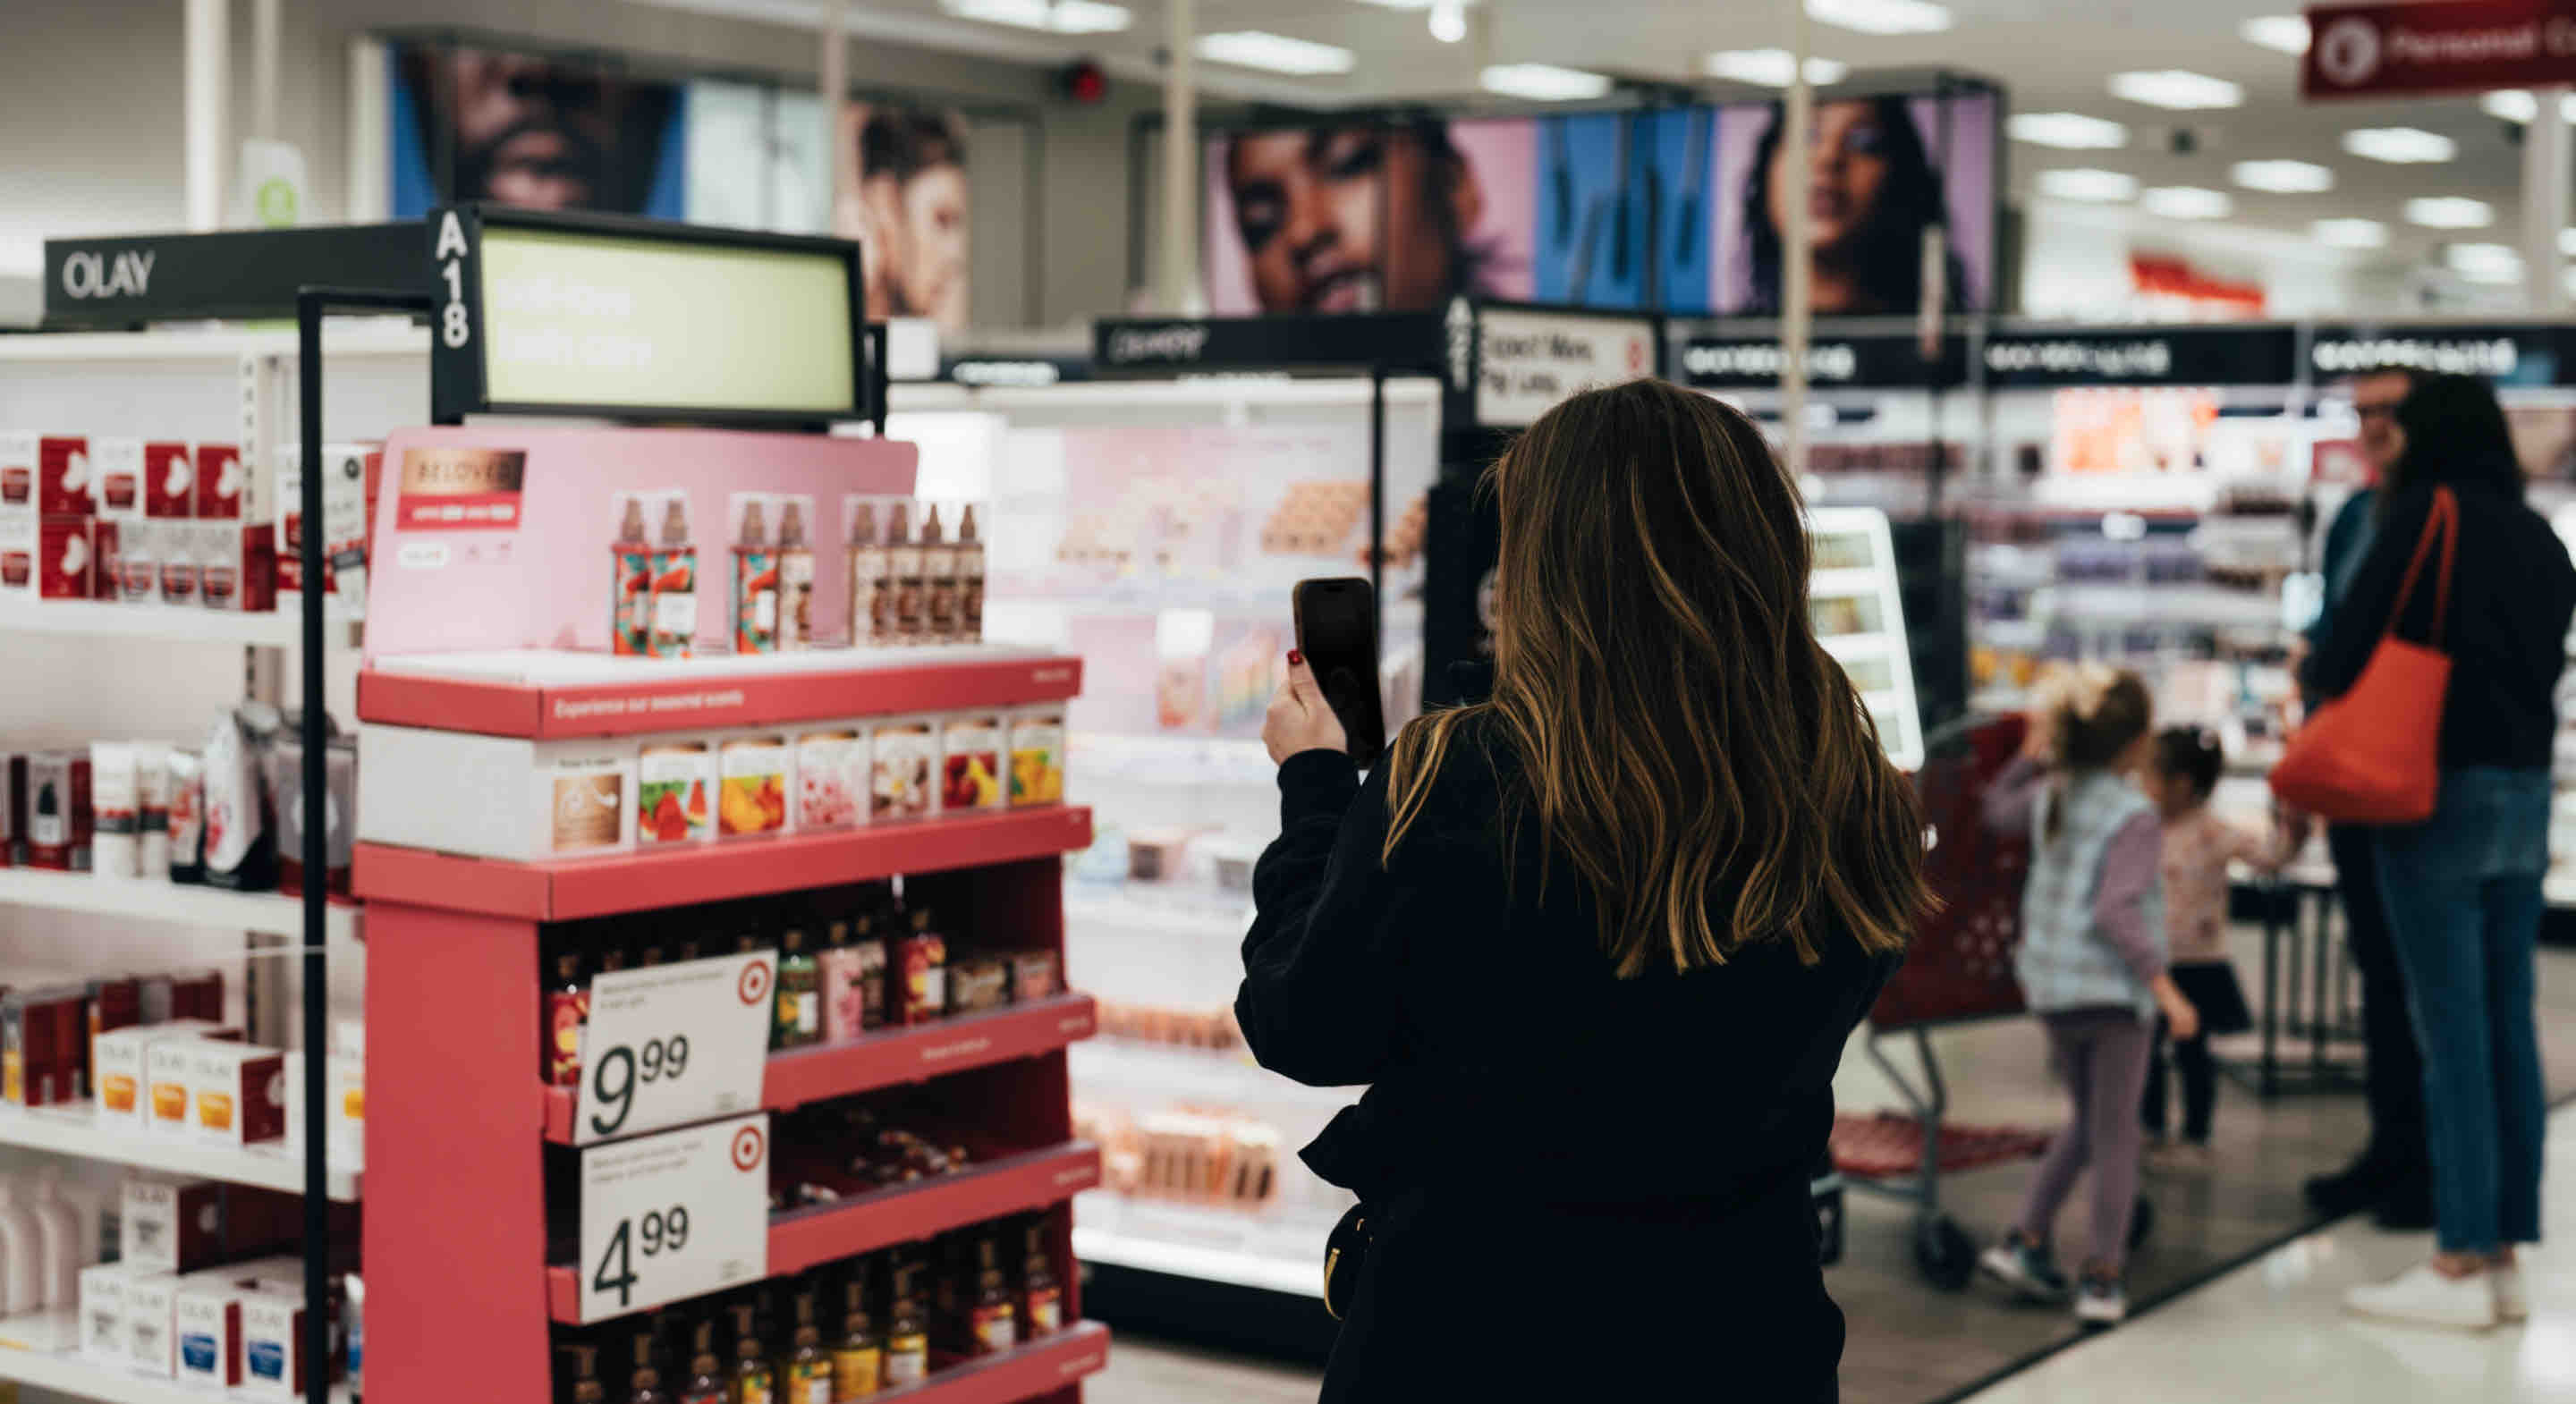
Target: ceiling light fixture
x=1543 y=82
x=1277 y=53
x=1770 y=68
x=2088 y=184
x=2518 y=105
x=1053 y=16
x=2350 y=233
x=2282 y=177
x=2286 y=33
x=1880 y=16
x=2449 y=212
x=2187 y=202
x=1449 y=20
x=2067 y=131
x=2403 y=146
x=2484 y=263
x=2177 y=89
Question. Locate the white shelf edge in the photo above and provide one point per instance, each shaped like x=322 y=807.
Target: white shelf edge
x=1099 y=1245
x=152 y=899
x=281 y=628
x=70 y=1372
x=77 y=1131
x=222 y=343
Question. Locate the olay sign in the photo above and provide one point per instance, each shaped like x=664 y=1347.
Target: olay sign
x=2453 y=46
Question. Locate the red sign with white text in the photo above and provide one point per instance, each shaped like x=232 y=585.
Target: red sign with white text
x=2455 y=46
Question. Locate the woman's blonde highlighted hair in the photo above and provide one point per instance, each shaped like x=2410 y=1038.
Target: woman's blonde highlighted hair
x=1682 y=738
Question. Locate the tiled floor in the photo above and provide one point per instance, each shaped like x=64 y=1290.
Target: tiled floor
x=2275 y=1330
x=1910 y=1344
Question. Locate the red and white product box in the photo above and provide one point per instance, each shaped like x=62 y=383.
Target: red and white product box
x=56 y=794
x=350 y=475
x=66 y=558
x=107 y=557
x=17 y=476
x=116 y=479
x=63 y=478
x=17 y=554
x=169 y=481
x=227 y=488
x=236 y=567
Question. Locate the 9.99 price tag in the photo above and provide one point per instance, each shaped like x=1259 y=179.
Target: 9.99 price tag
x=671 y=1044
x=672 y=1216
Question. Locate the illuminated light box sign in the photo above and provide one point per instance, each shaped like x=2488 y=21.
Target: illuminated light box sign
x=2265 y=355
x=1528 y=359
x=598 y=316
x=2504 y=354
x=1833 y=362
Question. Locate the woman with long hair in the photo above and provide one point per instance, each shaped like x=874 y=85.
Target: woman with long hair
x=1595 y=942
x=2462 y=890
x=1871 y=193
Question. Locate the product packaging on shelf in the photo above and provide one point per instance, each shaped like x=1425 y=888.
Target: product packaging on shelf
x=187 y=817
x=169 y=481
x=345 y=1086
x=752 y=772
x=18 y=539
x=175 y=1226
x=970 y=756
x=904 y=766
x=63 y=477
x=675 y=790
x=752 y=593
x=970 y=576
x=793 y=520
x=116 y=810
x=240 y=832
x=227 y=489
x=152 y=812
x=236 y=566
x=174 y=557
x=169 y=1085
x=1037 y=756
x=674 y=571
x=236 y=1092
x=351 y=474
x=286 y=789
x=581 y=804
x=832 y=777
x=44 y=1047
x=151 y=1320
x=139 y=547
x=66 y=558
x=102 y=1312
x=938 y=577
x=273 y=1362
x=116 y=479
x=58 y=819
x=18 y=457
x=630 y=590
x=120 y=1061
x=206 y=1317
x=496 y=796
x=868 y=527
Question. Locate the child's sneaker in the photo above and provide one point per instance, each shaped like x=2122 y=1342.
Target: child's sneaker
x=2101 y=1301
x=2025 y=1267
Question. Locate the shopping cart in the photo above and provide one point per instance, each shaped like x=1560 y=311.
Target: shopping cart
x=1959 y=971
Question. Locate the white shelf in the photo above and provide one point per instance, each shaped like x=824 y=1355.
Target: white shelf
x=225 y=344
x=281 y=628
x=69 y=1372
x=152 y=899
x=77 y=1131
x=1109 y=908
x=1098 y=1245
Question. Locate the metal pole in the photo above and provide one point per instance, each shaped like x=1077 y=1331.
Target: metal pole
x=316 y=858
x=1797 y=248
x=1180 y=240
x=263 y=69
x=2545 y=176
x=835 y=83
x=206 y=114
x=1377 y=494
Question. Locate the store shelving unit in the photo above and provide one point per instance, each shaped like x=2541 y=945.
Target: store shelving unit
x=154 y=900
x=77 y=1131
x=67 y=1372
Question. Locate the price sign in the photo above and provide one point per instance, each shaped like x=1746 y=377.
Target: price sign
x=671 y=1044
x=672 y=1216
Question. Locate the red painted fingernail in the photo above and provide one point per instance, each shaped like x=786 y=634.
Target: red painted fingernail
x=1295 y=657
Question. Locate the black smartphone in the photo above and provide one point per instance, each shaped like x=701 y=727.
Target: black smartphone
x=1337 y=631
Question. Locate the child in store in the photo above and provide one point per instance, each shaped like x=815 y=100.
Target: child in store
x=2198 y=847
x=2091 y=965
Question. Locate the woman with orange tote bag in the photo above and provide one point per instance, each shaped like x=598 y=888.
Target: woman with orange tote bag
x=2446 y=746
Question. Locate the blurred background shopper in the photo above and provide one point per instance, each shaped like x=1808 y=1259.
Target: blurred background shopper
x=2393 y=1173
x=1594 y=943
x=2463 y=888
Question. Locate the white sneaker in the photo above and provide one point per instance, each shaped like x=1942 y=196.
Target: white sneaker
x=2423 y=1297
x=2512 y=1301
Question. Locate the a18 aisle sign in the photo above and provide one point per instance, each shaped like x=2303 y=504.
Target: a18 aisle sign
x=676 y=1215
x=671 y=1044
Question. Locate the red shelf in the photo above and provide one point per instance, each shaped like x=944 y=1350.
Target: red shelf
x=890 y=1057
x=901 y=1214
x=1040 y=1367
x=670 y=877
x=718 y=693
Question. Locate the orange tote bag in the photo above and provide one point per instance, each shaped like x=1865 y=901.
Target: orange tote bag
x=2372 y=756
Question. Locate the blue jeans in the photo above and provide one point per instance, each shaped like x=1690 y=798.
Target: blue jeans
x=2464 y=908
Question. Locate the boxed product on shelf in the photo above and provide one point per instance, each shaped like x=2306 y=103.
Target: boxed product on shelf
x=903 y=766
x=832 y=777
x=497 y=796
x=169 y=481
x=63 y=477
x=17 y=555
x=344 y=1086
x=102 y=1312
x=351 y=477
x=752 y=773
x=340 y=808
x=970 y=758
x=1037 y=755
x=236 y=1092
x=18 y=460
x=44 y=1053
x=66 y=553
x=236 y=566
x=206 y=1319
x=675 y=789
x=120 y=1061
x=151 y=1323
x=226 y=488
x=177 y=1226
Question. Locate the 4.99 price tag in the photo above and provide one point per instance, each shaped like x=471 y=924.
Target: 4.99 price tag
x=672 y=1216
x=671 y=1044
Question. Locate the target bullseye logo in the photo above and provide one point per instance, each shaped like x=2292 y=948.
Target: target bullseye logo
x=748 y=1147
x=753 y=984
x=2348 y=51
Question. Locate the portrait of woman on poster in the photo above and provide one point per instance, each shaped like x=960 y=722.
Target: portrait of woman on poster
x=1871 y=193
x=908 y=208
x=1368 y=217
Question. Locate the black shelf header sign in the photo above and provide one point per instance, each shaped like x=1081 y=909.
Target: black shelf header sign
x=1884 y=362
x=607 y=317
x=2506 y=353
x=128 y=280
x=2251 y=355
x=1394 y=341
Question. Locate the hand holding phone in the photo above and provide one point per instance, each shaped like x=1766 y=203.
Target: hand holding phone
x=1337 y=634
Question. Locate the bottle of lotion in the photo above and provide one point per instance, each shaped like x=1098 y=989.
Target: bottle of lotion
x=22 y=1253
x=58 y=1229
